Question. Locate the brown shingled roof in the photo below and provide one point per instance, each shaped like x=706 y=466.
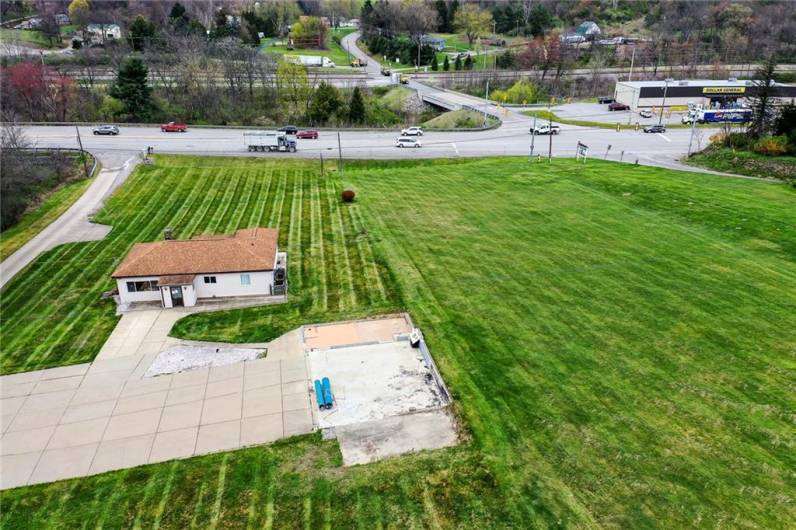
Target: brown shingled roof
x=252 y=249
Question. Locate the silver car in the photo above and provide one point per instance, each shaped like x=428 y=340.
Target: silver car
x=106 y=129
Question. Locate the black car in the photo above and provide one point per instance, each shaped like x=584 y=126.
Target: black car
x=106 y=129
x=604 y=100
x=289 y=129
x=655 y=129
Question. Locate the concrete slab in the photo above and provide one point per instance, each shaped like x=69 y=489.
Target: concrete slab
x=121 y=454
x=15 y=470
x=54 y=385
x=153 y=400
x=96 y=392
x=180 y=416
x=257 y=379
x=222 y=408
x=261 y=429
x=261 y=401
x=11 y=405
x=218 y=437
x=134 y=387
x=173 y=444
x=78 y=433
x=88 y=411
x=372 y=382
x=185 y=394
x=366 y=442
x=134 y=424
x=57 y=464
x=35 y=420
x=297 y=422
x=194 y=377
x=224 y=387
x=8 y=390
x=64 y=371
x=356 y=332
x=296 y=401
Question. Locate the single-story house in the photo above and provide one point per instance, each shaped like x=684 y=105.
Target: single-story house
x=180 y=272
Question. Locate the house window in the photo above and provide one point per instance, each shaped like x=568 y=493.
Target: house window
x=138 y=287
x=210 y=279
x=245 y=279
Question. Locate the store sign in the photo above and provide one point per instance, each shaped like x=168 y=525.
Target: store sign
x=724 y=90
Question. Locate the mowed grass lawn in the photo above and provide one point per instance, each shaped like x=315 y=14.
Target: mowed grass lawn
x=619 y=340
x=332 y=270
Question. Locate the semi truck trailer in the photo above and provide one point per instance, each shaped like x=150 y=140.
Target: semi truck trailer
x=269 y=141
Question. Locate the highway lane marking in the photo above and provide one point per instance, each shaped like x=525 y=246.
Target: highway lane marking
x=664 y=137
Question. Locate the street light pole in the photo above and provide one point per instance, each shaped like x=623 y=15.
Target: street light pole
x=691 y=140
x=663 y=104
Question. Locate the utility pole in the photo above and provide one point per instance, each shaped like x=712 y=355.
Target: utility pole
x=321 y=164
x=632 y=60
x=339 y=154
x=663 y=103
x=486 y=102
x=550 y=134
x=533 y=137
x=82 y=153
x=691 y=140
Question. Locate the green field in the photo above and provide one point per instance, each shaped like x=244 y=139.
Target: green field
x=335 y=51
x=619 y=341
x=38 y=218
x=25 y=36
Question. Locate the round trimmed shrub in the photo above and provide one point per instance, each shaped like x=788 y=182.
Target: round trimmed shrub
x=348 y=195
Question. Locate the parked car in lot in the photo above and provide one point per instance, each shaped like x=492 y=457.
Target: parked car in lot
x=385 y=71
x=311 y=135
x=645 y=114
x=404 y=141
x=604 y=100
x=173 y=126
x=106 y=129
x=412 y=131
x=618 y=106
x=289 y=129
x=655 y=129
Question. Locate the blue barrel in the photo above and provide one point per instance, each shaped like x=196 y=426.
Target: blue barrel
x=319 y=394
x=327 y=393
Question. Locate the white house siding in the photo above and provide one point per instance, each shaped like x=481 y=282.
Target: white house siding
x=145 y=296
x=228 y=284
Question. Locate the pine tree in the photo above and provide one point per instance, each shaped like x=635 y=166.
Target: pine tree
x=140 y=33
x=468 y=63
x=458 y=64
x=434 y=65
x=356 y=107
x=325 y=104
x=132 y=89
x=446 y=64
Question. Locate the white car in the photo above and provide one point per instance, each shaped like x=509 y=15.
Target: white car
x=645 y=114
x=407 y=142
x=412 y=131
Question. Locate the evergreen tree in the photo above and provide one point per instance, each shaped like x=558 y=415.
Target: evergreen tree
x=177 y=11
x=762 y=103
x=356 y=107
x=442 y=16
x=132 y=89
x=446 y=64
x=325 y=104
x=139 y=33
x=468 y=63
x=458 y=64
x=434 y=65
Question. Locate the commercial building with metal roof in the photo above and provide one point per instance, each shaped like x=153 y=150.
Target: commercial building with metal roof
x=710 y=93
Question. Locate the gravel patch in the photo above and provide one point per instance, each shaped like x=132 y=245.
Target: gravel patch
x=184 y=358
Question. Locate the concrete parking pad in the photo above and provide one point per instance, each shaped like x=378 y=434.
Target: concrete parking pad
x=121 y=454
x=15 y=470
x=261 y=429
x=68 y=462
x=174 y=444
x=181 y=416
x=218 y=437
x=356 y=332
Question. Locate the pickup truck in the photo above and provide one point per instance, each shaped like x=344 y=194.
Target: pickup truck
x=545 y=129
x=173 y=126
x=358 y=63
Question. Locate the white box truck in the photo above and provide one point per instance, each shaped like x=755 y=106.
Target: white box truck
x=310 y=60
x=269 y=141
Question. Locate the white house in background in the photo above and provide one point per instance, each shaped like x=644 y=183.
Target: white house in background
x=104 y=32
x=180 y=272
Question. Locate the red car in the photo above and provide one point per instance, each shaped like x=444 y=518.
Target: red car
x=312 y=135
x=618 y=106
x=173 y=126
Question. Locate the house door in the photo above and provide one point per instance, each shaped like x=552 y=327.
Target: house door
x=176 y=296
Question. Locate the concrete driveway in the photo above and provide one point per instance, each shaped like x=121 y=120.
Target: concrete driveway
x=95 y=417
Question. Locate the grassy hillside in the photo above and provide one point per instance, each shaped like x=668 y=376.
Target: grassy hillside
x=619 y=341
x=459 y=119
x=745 y=162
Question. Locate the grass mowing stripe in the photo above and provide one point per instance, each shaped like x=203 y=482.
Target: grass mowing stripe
x=222 y=475
x=321 y=299
x=230 y=189
x=165 y=495
x=339 y=242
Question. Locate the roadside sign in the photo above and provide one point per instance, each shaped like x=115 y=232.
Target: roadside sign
x=582 y=151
